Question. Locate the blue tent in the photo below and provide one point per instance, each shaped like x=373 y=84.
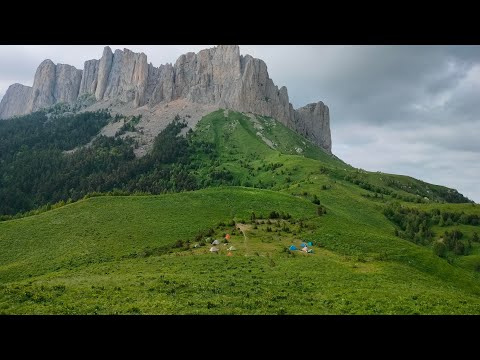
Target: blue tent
x=310 y=243
x=292 y=247
x=302 y=245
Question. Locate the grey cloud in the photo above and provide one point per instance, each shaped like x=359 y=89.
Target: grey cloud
x=369 y=83
x=438 y=155
x=447 y=81
x=467 y=54
x=460 y=137
x=15 y=67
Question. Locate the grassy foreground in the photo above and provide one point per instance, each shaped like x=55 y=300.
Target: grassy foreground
x=92 y=257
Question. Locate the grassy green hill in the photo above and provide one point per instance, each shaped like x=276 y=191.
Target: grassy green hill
x=269 y=188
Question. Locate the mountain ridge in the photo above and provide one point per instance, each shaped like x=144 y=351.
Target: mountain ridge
x=217 y=76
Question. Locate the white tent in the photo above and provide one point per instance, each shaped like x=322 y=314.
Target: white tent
x=214 y=249
x=216 y=242
x=232 y=248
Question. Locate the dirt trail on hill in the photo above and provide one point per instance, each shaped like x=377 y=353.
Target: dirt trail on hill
x=243 y=228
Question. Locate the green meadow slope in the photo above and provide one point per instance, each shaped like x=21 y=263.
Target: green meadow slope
x=146 y=254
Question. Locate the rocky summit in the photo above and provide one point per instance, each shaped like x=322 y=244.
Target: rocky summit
x=218 y=77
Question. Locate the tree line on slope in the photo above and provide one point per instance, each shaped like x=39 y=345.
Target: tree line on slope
x=415 y=191
x=416 y=226
x=36 y=171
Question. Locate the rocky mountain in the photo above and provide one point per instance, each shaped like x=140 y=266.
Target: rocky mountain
x=218 y=77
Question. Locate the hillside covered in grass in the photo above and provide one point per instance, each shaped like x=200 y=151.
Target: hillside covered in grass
x=137 y=254
x=375 y=237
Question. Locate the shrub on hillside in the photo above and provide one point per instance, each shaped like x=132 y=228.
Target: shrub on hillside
x=459 y=248
x=274 y=215
x=440 y=249
x=475 y=237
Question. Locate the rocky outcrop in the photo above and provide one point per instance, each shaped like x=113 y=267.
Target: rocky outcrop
x=43 y=87
x=255 y=92
x=67 y=83
x=104 y=68
x=14 y=101
x=313 y=122
x=127 y=80
x=88 y=84
x=218 y=76
x=162 y=81
x=52 y=84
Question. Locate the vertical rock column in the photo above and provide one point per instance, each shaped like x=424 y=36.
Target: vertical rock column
x=88 y=85
x=104 y=68
x=43 y=87
x=67 y=83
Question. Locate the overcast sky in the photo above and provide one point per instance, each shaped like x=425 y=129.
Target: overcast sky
x=412 y=110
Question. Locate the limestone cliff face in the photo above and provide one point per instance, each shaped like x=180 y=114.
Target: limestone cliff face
x=127 y=79
x=67 y=83
x=43 y=87
x=104 y=68
x=313 y=122
x=88 y=85
x=14 y=101
x=161 y=83
x=52 y=84
x=218 y=76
